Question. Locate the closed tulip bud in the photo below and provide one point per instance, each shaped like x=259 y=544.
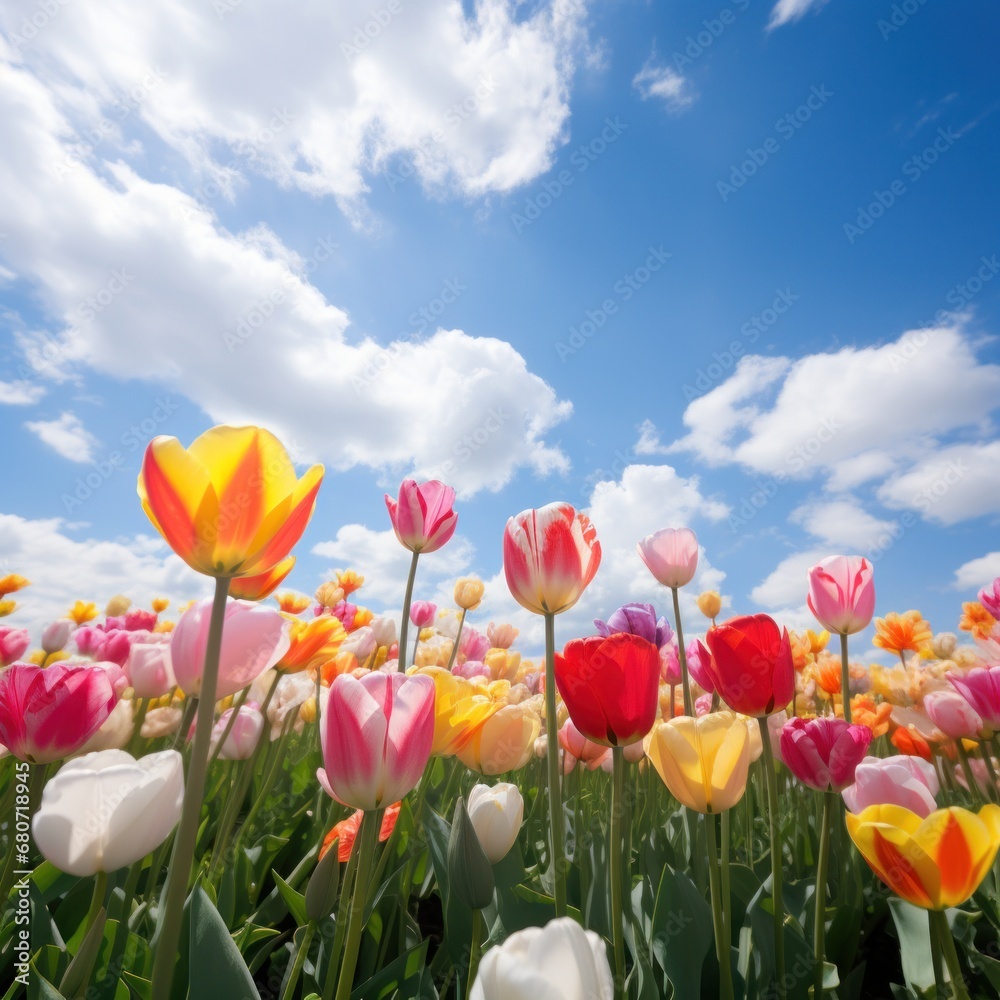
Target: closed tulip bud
x=243 y=737
x=383 y=629
x=107 y=810
x=423 y=517
x=150 y=670
x=422 y=613
x=560 y=961
x=944 y=645
x=704 y=762
x=710 y=603
x=671 y=555
x=469 y=592
x=307 y=711
x=13 y=643
x=118 y=605
x=501 y=636
x=57 y=634
x=496 y=813
x=953 y=715
x=469 y=870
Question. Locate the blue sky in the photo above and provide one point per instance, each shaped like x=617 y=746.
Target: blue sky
x=727 y=266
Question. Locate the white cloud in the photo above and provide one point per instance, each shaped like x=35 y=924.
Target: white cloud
x=662 y=83
x=977 y=573
x=318 y=96
x=67 y=436
x=841 y=522
x=950 y=484
x=857 y=415
x=63 y=567
x=785 y=11
x=649 y=440
x=20 y=393
x=147 y=285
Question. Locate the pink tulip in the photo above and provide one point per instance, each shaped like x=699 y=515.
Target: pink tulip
x=138 y=619
x=823 y=753
x=56 y=635
x=981 y=689
x=842 y=593
x=116 y=646
x=376 y=734
x=245 y=734
x=700 y=665
x=49 y=713
x=578 y=746
x=989 y=598
x=671 y=555
x=903 y=781
x=501 y=636
x=670 y=664
x=550 y=555
x=253 y=639
x=422 y=613
x=89 y=640
x=149 y=669
x=471 y=668
x=703 y=705
x=423 y=517
x=953 y=714
x=13 y=643
x=473 y=645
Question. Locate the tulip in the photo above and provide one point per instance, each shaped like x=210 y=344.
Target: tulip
x=709 y=604
x=107 y=810
x=504 y=742
x=253 y=639
x=311 y=643
x=261 y=585
x=699 y=661
x=346 y=831
x=56 y=635
x=13 y=643
x=291 y=603
x=578 y=746
x=704 y=762
x=638 y=619
x=422 y=613
x=49 y=713
x=161 y=722
x=243 y=736
x=82 y=612
x=671 y=555
x=610 y=686
x=752 y=664
x=550 y=555
x=149 y=669
x=290 y=695
x=823 y=753
x=376 y=737
x=11 y=583
x=953 y=714
x=501 y=636
x=934 y=862
x=423 y=518
x=115 y=732
x=981 y=689
x=908 y=782
x=560 y=961
x=989 y=598
x=469 y=593
x=231 y=505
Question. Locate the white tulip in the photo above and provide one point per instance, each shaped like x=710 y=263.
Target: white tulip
x=107 y=810
x=115 y=732
x=560 y=961
x=496 y=812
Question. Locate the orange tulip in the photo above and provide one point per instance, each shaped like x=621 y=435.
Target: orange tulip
x=256 y=588
x=11 y=583
x=292 y=603
x=866 y=712
x=977 y=620
x=313 y=643
x=346 y=831
x=899 y=632
x=231 y=505
x=935 y=862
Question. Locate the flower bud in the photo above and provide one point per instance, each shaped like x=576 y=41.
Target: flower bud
x=469 y=869
x=496 y=813
x=469 y=593
x=710 y=603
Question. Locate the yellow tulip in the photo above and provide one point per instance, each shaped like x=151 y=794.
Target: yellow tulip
x=703 y=762
x=709 y=603
x=292 y=603
x=231 y=504
x=7 y=608
x=935 y=862
x=82 y=612
x=504 y=742
x=118 y=605
x=469 y=592
x=12 y=582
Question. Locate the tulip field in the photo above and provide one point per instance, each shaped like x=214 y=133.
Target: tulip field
x=266 y=795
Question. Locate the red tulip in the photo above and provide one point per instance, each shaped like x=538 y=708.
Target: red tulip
x=752 y=664
x=49 y=713
x=610 y=686
x=423 y=518
x=550 y=555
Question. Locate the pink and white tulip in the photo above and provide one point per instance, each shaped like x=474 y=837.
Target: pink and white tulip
x=903 y=781
x=953 y=715
x=423 y=517
x=842 y=593
x=671 y=555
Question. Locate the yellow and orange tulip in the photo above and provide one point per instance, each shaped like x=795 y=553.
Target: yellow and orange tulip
x=231 y=504
x=935 y=862
x=313 y=643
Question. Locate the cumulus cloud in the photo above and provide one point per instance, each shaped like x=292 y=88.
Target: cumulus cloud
x=20 y=392
x=977 y=573
x=662 y=83
x=142 y=282
x=67 y=436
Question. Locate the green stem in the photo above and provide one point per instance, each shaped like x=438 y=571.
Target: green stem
x=140 y=718
x=367 y=838
x=300 y=956
x=474 y=949
x=76 y=979
x=726 y=909
x=947 y=943
x=552 y=763
x=405 y=623
x=458 y=636
x=682 y=656
x=230 y=813
x=340 y=928
x=845 y=677
x=990 y=770
x=190 y=707
x=722 y=945
x=970 y=777
x=819 y=928
x=617 y=916
x=774 y=827
x=940 y=983
x=175 y=891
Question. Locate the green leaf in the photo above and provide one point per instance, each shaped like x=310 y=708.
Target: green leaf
x=295 y=901
x=469 y=870
x=216 y=966
x=142 y=988
x=913 y=929
x=682 y=932
x=400 y=977
x=321 y=892
x=80 y=969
